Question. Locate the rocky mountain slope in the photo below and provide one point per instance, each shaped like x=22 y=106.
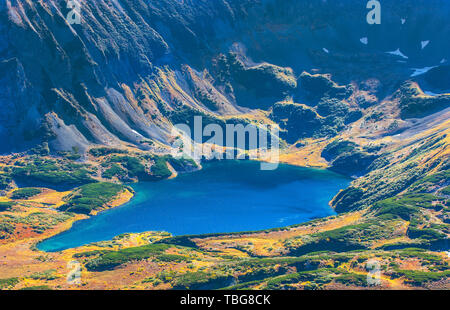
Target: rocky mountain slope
x=131 y=67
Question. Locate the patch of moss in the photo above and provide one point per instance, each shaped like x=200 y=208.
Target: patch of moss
x=6 y=228
x=172 y=258
x=47 y=275
x=5 y=180
x=111 y=260
x=90 y=253
x=353 y=163
x=25 y=193
x=415 y=104
x=419 y=278
x=181 y=164
x=91 y=197
x=37 y=288
x=6 y=205
x=103 y=151
x=345 y=239
x=132 y=164
x=352 y=279
x=114 y=171
x=343 y=202
x=8 y=283
x=446 y=191
x=201 y=280
x=426 y=233
x=336 y=148
x=159 y=169
x=319 y=276
x=52 y=172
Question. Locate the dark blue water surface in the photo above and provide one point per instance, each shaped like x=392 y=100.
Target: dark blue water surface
x=227 y=196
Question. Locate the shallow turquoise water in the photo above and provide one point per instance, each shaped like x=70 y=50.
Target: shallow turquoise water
x=226 y=196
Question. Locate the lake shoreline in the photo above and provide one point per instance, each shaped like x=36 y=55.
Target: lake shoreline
x=225 y=232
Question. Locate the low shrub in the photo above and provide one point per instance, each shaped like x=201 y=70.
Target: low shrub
x=111 y=260
x=91 y=197
x=8 y=283
x=25 y=193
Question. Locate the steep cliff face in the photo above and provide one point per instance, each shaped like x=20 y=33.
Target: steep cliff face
x=106 y=80
x=121 y=75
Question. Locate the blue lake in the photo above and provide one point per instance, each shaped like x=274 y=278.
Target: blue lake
x=227 y=196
